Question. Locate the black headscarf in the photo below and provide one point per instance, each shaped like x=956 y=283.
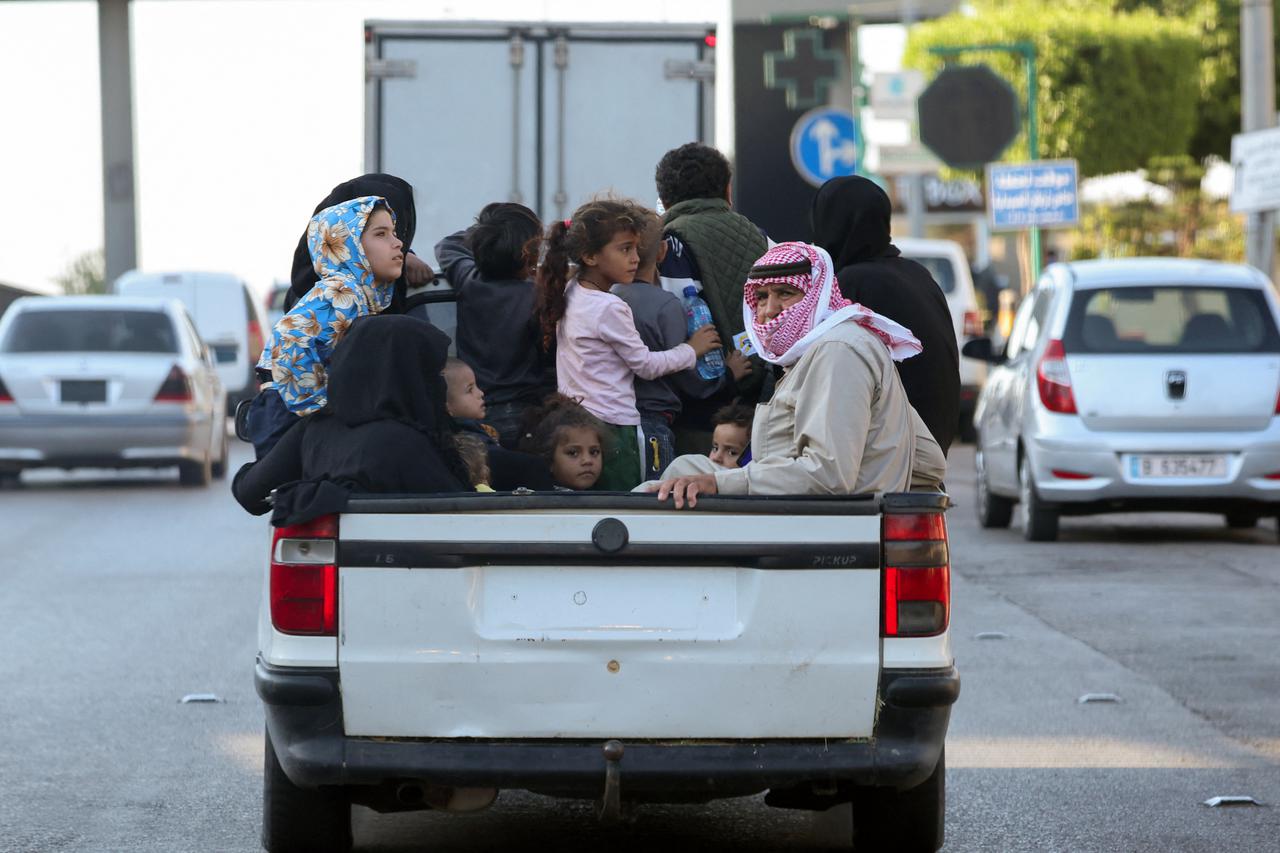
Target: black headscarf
x=388 y=368
x=851 y=221
x=398 y=193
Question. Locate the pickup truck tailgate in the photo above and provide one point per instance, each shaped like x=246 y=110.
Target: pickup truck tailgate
x=486 y=621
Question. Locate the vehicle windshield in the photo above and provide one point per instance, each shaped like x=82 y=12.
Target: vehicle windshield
x=1170 y=318
x=113 y=330
x=940 y=268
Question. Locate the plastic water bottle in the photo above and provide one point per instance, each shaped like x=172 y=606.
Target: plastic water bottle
x=711 y=365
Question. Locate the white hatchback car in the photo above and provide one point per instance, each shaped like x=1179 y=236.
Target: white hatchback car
x=946 y=262
x=108 y=382
x=1136 y=384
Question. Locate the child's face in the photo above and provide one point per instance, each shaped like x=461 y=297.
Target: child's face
x=382 y=247
x=464 y=398
x=617 y=262
x=577 y=459
x=728 y=443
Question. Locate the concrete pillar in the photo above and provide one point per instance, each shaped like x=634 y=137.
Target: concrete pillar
x=120 y=238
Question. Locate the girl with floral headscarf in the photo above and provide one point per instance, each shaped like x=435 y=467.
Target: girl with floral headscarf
x=358 y=257
x=839 y=421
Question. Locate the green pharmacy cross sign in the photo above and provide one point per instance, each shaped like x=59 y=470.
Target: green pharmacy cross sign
x=804 y=68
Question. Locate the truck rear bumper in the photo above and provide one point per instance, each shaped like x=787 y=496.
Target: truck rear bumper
x=304 y=720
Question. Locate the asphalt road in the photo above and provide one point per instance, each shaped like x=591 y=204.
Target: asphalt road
x=121 y=593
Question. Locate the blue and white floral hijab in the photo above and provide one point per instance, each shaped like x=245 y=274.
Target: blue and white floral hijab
x=302 y=342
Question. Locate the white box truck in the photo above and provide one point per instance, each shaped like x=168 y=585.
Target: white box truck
x=545 y=114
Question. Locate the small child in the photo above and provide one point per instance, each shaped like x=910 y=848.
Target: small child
x=661 y=323
x=731 y=440
x=475 y=456
x=464 y=400
x=598 y=351
x=490 y=266
x=570 y=439
x=358 y=257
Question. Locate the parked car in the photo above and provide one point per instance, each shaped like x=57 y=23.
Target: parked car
x=108 y=381
x=1138 y=384
x=225 y=313
x=946 y=262
x=274 y=302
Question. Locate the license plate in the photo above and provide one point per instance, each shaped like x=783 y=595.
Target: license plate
x=84 y=391
x=1168 y=466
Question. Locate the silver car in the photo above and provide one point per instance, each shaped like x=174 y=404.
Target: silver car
x=1138 y=384
x=107 y=381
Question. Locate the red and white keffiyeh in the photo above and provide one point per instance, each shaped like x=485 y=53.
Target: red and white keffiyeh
x=788 y=336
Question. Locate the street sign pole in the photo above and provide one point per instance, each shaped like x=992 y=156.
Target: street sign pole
x=1257 y=108
x=1027 y=50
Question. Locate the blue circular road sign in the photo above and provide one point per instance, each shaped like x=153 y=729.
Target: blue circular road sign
x=824 y=144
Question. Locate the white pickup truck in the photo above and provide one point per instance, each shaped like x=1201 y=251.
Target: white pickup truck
x=426 y=652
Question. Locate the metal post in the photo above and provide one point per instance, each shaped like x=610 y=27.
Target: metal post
x=858 y=93
x=120 y=240
x=915 y=183
x=1033 y=148
x=1258 y=112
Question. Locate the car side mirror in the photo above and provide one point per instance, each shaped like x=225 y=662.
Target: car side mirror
x=982 y=350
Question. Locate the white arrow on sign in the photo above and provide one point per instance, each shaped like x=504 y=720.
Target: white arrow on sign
x=825 y=132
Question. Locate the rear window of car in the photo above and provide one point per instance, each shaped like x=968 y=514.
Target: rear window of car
x=1170 y=318
x=113 y=330
x=942 y=270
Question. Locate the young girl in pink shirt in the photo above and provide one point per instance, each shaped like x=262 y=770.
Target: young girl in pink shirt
x=598 y=351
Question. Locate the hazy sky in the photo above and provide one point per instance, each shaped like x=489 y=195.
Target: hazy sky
x=245 y=114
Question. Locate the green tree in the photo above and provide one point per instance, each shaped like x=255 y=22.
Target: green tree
x=1116 y=89
x=1218 y=108
x=86 y=274
x=1187 y=225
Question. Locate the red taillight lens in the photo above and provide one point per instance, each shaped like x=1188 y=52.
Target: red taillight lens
x=255 y=341
x=304 y=578
x=1070 y=475
x=709 y=40
x=1277 y=402
x=5 y=396
x=176 y=387
x=1054 y=380
x=917 y=575
x=972 y=324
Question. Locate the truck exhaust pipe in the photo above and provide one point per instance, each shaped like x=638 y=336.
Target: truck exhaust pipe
x=416 y=794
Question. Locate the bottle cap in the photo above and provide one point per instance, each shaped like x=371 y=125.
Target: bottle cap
x=691 y=291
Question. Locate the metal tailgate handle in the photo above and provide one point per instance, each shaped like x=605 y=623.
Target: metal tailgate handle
x=610 y=535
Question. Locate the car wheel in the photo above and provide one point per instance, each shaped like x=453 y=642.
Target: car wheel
x=1242 y=520
x=195 y=473
x=219 y=468
x=909 y=821
x=300 y=820
x=993 y=510
x=1039 y=524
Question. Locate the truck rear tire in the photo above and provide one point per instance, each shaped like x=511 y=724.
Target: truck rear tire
x=909 y=821
x=299 y=820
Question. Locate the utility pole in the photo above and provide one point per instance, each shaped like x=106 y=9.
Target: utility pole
x=1258 y=112
x=120 y=240
x=915 y=183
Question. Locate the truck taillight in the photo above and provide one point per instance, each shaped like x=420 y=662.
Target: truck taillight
x=916 y=575
x=972 y=324
x=1054 y=380
x=176 y=387
x=304 y=578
